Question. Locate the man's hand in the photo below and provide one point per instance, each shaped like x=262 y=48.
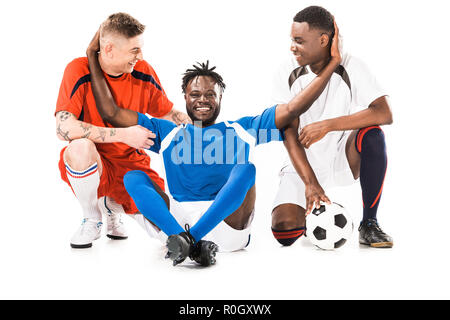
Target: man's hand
x=177 y=117
x=314 y=194
x=138 y=137
x=94 y=46
x=334 y=50
x=312 y=133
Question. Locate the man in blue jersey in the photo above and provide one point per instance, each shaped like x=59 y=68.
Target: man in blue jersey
x=209 y=175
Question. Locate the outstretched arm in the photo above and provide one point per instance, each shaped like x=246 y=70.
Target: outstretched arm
x=106 y=106
x=286 y=113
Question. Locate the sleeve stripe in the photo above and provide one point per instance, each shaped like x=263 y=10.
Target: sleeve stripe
x=84 y=79
x=146 y=78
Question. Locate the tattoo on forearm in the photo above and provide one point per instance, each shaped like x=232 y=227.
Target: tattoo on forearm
x=85 y=126
x=86 y=135
x=102 y=134
x=64 y=115
x=64 y=135
x=112 y=132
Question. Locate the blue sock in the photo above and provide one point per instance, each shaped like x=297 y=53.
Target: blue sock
x=227 y=201
x=371 y=145
x=149 y=202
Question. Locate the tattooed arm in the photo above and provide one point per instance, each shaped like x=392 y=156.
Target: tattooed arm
x=68 y=128
x=177 y=117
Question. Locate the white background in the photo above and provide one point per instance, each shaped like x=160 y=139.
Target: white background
x=405 y=43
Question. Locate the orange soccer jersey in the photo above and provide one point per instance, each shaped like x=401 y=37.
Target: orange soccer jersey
x=140 y=91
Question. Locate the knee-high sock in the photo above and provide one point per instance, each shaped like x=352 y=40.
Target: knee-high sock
x=84 y=184
x=371 y=145
x=149 y=202
x=228 y=200
x=288 y=237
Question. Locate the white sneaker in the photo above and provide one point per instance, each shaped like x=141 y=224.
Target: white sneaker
x=89 y=231
x=113 y=211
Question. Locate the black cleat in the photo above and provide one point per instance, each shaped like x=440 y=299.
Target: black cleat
x=204 y=253
x=179 y=246
x=183 y=245
x=371 y=234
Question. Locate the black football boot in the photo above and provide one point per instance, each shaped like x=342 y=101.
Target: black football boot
x=183 y=245
x=204 y=253
x=179 y=246
x=371 y=234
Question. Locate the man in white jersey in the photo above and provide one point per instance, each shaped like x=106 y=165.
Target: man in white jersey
x=337 y=140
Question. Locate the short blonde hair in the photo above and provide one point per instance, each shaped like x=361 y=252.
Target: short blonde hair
x=122 y=24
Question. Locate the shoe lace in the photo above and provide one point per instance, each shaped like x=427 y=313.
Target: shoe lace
x=374 y=224
x=187 y=228
x=115 y=219
x=86 y=226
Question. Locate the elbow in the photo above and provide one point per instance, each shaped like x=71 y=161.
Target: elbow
x=387 y=112
x=388 y=118
x=62 y=133
x=109 y=117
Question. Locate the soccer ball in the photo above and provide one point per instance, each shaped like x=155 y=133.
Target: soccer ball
x=329 y=226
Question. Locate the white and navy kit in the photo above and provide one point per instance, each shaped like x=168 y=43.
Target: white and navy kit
x=198 y=162
x=352 y=88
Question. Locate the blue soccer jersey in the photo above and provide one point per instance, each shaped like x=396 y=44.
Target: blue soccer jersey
x=198 y=161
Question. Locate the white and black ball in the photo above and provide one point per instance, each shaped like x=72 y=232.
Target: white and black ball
x=329 y=227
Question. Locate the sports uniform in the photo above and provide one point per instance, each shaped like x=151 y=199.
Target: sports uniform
x=351 y=88
x=140 y=91
x=198 y=164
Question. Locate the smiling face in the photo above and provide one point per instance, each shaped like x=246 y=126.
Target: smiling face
x=203 y=96
x=309 y=46
x=121 y=54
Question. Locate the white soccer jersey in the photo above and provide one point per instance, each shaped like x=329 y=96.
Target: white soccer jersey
x=352 y=88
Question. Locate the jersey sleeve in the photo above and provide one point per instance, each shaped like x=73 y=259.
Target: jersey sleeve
x=160 y=128
x=72 y=91
x=159 y=104
x=364 y=86
x=262 y=127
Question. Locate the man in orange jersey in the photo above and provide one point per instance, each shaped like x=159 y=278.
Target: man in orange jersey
x=99 y=155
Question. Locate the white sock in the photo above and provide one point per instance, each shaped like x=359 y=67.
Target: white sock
x=85 y=184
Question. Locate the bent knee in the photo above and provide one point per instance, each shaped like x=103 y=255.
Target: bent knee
x=134 y=178
x=371 y=139
x=288 y=237
x=288 y=223
x=81 y=153
x=288 y=216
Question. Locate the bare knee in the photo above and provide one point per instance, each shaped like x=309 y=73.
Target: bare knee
x=81 y=153
x=288 y=216
x=288 y=223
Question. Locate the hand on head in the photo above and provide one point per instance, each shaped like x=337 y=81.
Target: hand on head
x=334 y=50
x=94 y=45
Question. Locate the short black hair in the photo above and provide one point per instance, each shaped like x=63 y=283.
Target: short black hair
x=317 y=18
x=201 y=69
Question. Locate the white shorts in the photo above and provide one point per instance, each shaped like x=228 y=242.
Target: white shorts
x=292 y=188
x=227 y=238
